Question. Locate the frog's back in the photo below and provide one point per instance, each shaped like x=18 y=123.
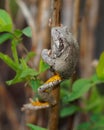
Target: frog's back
x=66 y=63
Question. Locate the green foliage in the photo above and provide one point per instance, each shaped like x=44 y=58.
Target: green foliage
x=5 y=22
x=68 y=110
x=80 y=87
x=43 y=66
x=35 y=84
x=24 y=73
x=65 y=86
x=34 y=127
x=84 y=126
x=100 y=67
x=95 y=103
x=8 y=61
x=27 y=31
x=4 y=37
x=96 y=122
x=29 y=56
x=17 y=35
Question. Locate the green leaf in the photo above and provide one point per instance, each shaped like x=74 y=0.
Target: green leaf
x=43 y=66
x=22 y=75
x=65 y=88
x=27 y=31
x=14 y=52
x=15 y=80
x=100 y=67
x=8 y=61
x=66 y=111
x=79 y=87
x=95 y=102
x=34 y=127
x=35 y=84
x=66 y=84
x=63 y=94
x=23 y=65
x=25 y=73
x=100 y=123
x=29 y=56
x=17 y=33
x=4 y=37
x=97 y=121
x=94 y=78
x=84 y=126
x=26 y=70
x=5 y=21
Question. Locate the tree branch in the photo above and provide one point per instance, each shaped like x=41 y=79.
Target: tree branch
x=54 y=110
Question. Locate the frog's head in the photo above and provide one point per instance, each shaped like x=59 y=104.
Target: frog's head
x=61 y=39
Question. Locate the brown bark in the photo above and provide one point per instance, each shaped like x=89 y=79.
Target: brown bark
x=76 y=13
x=54 y=110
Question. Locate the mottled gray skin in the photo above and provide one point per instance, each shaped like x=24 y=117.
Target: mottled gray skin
x=62 y=58
x=64 y=52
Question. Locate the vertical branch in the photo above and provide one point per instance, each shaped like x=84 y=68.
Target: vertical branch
x=54 y=110
x=76 y=18
x=42 y=28
x=67 y=13
x=29 y=18
x=87 y=37
x=7 y=6
x=56 y=4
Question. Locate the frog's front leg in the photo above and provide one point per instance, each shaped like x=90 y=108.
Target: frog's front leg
x=46 y=56
x=45 y=90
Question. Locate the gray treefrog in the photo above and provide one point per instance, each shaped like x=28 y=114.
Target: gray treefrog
x=62 y=58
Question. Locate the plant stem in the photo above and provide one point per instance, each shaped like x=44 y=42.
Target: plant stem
x=54 y=110
x=76 y=13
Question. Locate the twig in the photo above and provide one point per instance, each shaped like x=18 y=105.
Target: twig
x=30 y=106
x=7 y=7
x=54 y=110
x=76 y=18
x=43 y=28
x=67 y=13
x=56 y=5
x=29 y=19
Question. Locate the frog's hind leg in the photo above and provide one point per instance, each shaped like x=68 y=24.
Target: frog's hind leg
x=45 y=90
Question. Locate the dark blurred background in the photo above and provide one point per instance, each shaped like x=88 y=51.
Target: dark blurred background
x=85 y=18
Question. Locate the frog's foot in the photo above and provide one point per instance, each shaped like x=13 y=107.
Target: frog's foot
x=55 y=78
x=35 y=105
x=38 y=103
x=49 y=85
